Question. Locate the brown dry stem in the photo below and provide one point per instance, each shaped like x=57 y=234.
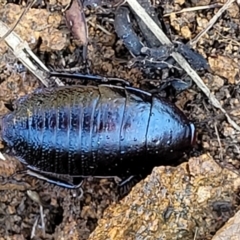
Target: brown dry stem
x=191 y=9
x=15 y=25
x=211 y=22
x=23 y=53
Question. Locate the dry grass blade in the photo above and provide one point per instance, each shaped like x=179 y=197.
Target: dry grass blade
x=178 y=57
x=211 y=22
x=195 y=234
x=191 y=9
x=23 y=53
x=36 y=198
x=15 y=25
x=98 y=26
x=2 y=157
x=34 y=228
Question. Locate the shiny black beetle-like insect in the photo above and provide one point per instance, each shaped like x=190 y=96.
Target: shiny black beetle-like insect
x=71 y=132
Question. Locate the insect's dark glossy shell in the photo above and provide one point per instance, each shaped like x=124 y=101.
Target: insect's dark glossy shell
x=102 y=131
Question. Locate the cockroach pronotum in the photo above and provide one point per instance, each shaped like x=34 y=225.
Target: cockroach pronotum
x=72 y=132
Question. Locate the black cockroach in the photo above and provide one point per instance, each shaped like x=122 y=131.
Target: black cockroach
x=72 y=132
x=153 y=54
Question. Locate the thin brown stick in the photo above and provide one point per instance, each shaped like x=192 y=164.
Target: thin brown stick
x=18 y=20
x=197 y=8
x=228 y=39
x=23 y=53
x=211 y=22
x=178 y=57
x=36 y=198
x=98 y=26
x=195 y=234
x=34 y=228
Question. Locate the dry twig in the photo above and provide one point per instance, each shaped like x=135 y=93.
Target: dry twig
x=178 y=57
x=19 y=19
x=34 y=228
x=197 y=8
x=195 y=234
x=23 y=53
x=98 y=26
x=36 y=198
x=211 y=22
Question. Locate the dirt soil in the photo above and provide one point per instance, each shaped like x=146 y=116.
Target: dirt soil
x=67 y=214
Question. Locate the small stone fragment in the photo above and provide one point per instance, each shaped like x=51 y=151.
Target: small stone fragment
x=224 y=67
x=186 y=33
x=231 y=230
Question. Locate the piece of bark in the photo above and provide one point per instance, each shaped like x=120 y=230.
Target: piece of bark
x=76 y=22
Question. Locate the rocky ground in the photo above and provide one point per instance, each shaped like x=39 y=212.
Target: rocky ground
x=192 y=200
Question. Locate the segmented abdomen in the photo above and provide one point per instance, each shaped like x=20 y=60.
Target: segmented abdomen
x=69 y=130
x=87 y=130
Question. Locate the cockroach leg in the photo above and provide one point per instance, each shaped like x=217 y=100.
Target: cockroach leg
x=89 y=77
x=9 y=105
x=56 y=179
x=177 y=84
x=126 y=184
x=125 y=181
x=116 y=178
